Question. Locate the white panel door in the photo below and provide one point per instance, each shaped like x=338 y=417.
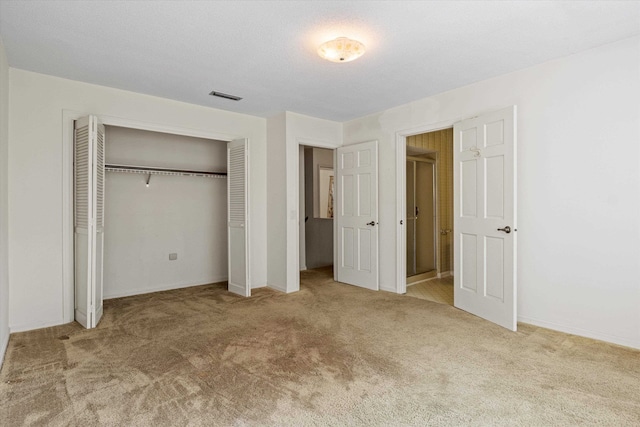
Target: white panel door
x=357 y=214
x=484 y=158
x=89 y=139
x=237 y=217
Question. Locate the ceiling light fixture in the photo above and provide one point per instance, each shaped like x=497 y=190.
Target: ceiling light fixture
x=342 y=49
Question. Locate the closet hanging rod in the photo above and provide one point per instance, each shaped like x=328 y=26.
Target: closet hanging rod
x=162 y=171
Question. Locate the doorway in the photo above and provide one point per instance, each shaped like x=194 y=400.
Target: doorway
x=484 y=213
x=316 y=195
x=429 y=215
x=354 y=199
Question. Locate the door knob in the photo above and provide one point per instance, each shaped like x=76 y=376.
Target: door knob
x=507 y=229
x=372 y=223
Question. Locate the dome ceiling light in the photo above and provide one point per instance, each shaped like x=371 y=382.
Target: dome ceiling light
x=342 y=49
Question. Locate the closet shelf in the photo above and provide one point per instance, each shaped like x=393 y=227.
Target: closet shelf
x=146 y=170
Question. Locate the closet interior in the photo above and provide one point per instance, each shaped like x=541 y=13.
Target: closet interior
x=165 y=211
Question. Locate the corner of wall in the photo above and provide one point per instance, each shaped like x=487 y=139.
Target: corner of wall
x=278 y=288
x=3 y=348
x=4 y=202
x=276 y=201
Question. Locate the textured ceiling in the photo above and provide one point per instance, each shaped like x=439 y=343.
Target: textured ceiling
x=265 y=51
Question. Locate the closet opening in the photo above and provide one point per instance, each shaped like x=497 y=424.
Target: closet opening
x=162 y=160
x=429 y=216
x=166 y=216
x=316 y=198
x=150 y=213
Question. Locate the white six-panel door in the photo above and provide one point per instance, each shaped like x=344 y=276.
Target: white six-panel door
x=89 y=155
x=485 y=216
x=237 y=217
x=357 y=214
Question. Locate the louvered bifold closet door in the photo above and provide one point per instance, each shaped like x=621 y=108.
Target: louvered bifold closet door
x=99 y=221
x=237 y=217
x=89 y=138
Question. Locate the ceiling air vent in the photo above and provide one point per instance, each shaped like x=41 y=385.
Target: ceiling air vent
x=225 y=95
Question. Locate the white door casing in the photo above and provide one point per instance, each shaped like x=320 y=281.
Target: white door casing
x=89 y=155
x=484 y=159
x=357 y=214
x=237 y=217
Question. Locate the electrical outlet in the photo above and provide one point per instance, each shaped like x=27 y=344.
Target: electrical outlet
x=173 y=257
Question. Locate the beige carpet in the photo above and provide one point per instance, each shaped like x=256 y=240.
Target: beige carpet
x=330 y=354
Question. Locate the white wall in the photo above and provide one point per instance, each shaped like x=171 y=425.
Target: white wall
x=137 y=147
x=285 y=133
x=175 y=214
x=36 y=184
x=312 y=132
x=4 y=204
x=276 y=211
x=578 y=184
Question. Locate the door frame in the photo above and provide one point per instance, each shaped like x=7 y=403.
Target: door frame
x=436 y=207
x=68 y=118
x=401 y=197
x=314 y=143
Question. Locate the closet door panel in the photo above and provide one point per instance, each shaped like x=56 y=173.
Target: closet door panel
x=83 y=213
x=88 y=219
x=237 y=211
x=98 y=249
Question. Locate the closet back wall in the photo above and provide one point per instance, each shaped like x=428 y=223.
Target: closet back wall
x=175 y=214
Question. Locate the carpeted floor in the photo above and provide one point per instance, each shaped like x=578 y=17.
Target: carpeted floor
x=330 y=354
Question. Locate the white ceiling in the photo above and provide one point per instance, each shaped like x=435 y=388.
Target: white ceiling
x=265 y=51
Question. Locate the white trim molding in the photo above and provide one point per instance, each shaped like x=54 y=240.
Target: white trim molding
x=580 y=332
x=3 y=349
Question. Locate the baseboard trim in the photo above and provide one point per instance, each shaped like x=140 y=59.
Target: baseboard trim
x=164 y=288
x=444 y=274
x=34 y=326
x=277 y=288
x=99 y=314
x=238 y=289
x=424 y=280
x=80 y=317
x=388 y=289
x=3 y=349
x=581 y=332
x=417 y=278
